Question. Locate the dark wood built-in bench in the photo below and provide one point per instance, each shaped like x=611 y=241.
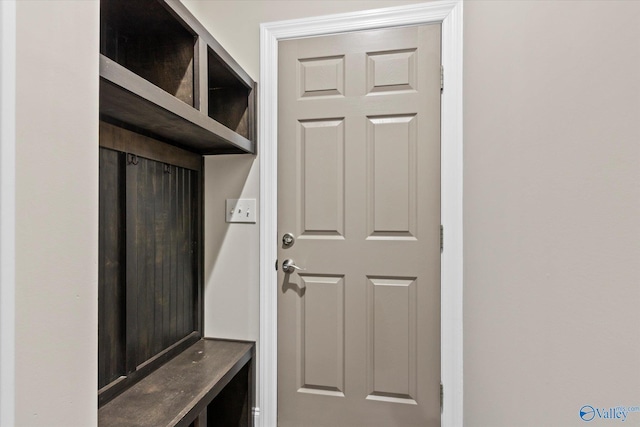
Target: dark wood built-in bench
x=169 y=94
x=209 y=384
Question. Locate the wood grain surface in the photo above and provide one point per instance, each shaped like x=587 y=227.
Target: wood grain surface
x=176 y=393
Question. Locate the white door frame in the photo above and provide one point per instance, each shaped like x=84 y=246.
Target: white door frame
x=449 y=13
x=7 y=209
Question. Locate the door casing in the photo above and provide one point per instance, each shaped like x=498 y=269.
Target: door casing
x=449 y=13
x=7 y=211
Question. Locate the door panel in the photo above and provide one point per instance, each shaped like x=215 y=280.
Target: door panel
x=359 y=187
x=392 y=358
x=322 y=334
x=322 y=176
x=391 y=180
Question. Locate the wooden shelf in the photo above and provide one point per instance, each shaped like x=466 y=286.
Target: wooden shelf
x=179 y=392
x=132 y=100
x=162 y=74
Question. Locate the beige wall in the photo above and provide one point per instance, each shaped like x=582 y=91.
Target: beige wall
x=56 y=213
x=551 y=211
x=552 y=201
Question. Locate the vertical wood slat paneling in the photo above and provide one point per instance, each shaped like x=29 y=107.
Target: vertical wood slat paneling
x=166 y=262
x=160 y=227
x=180 y=239
x=131 y=208
x=165 y=276
x=141 y=248
x=152 y=246
x=189 y=255
x=173 y=244
x=103 y=350
x=150 y=254
x=110 y=283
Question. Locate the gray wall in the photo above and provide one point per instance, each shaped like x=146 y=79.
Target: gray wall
x=552 y=201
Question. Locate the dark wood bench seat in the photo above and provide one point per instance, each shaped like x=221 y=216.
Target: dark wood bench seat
x=180 y=392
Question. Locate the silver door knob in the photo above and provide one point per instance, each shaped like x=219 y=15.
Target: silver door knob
x=289 y=266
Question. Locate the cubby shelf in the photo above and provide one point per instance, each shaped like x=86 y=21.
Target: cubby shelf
x=169 y=94
x=167 y=77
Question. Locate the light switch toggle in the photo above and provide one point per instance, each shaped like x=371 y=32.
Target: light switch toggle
x=241 y=210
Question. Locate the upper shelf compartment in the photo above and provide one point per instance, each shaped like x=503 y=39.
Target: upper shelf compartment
x=163 y=74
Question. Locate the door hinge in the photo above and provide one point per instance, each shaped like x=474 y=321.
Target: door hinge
x=441 y=238
x=441 y=397
x=276 y=265
x=441 y=79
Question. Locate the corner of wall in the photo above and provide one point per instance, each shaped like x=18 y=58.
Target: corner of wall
x=56 y=213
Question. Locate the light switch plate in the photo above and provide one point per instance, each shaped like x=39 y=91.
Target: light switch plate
x=241 y=210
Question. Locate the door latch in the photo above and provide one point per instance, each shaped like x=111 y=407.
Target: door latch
x=288 y=240
x=289 y=266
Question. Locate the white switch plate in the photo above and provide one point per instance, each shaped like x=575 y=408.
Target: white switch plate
x=241 y=210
